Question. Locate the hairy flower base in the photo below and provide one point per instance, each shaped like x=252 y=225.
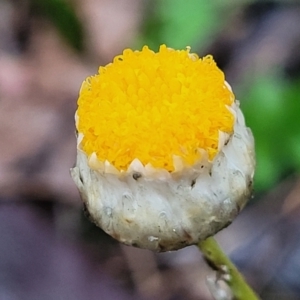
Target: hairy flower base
x=163 y=214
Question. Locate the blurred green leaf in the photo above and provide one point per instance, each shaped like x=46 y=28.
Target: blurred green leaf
x=63 y=16
x=180 y=23
x=272 y=108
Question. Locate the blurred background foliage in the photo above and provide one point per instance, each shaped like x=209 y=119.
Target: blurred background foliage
x=272 y=109
x=177 y=23
x=47 y=47
x=64 y=18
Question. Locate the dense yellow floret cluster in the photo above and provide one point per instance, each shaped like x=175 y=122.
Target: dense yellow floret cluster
x=154 y=105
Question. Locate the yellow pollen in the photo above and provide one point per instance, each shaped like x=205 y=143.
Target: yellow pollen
x=153 y=106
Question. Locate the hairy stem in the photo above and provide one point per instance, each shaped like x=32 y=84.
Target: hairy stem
x=218 y=260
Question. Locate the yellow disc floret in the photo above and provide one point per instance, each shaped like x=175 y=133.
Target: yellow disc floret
x=154 y=106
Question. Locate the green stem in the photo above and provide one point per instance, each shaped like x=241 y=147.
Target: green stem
x=219 y=261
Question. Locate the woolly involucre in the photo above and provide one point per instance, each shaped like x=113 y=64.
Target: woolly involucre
x=165 y=210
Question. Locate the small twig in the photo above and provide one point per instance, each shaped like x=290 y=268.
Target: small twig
x=218 y=260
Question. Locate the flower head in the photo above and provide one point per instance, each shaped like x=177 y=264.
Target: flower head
x=164 y=157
